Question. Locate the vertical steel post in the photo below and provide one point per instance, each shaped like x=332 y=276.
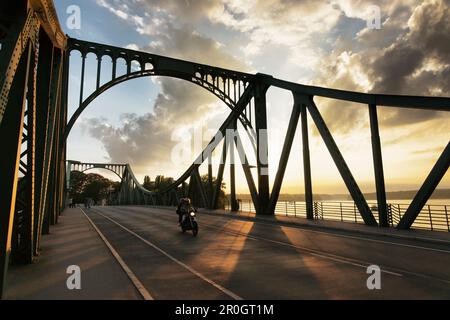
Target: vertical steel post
x=114 y=67
x=234 y=204
x=219 y=178
x=43 y=123
x=50 y=145
x=306 y=164
x=210 y=182
x=378 y=167
x=262 y=146
x=99 y=71
x=83 y=67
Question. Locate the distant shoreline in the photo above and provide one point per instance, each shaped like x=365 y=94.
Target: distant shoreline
x=397 y=195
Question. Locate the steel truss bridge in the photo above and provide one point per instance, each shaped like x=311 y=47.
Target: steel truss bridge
x=34 y=126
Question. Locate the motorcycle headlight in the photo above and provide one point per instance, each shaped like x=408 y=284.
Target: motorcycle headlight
x=192 y=214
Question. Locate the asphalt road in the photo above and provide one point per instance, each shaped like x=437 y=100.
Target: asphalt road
x=236 y=259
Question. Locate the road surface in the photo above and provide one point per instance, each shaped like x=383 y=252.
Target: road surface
x=236 y=259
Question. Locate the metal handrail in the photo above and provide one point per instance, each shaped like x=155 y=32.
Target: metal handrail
x=432 y=217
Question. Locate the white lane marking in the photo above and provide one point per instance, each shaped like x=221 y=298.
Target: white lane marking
x=341 y=235
x=138 y=284
x=321 y=254
x=198 y=274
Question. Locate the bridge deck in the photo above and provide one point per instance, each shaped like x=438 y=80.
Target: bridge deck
x=229 y=259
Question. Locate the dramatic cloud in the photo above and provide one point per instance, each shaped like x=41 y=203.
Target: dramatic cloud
x=414 y=62
x=141 y=139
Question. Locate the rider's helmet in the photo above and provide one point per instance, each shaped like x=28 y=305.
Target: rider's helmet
x=185 y=201
x=185 y=204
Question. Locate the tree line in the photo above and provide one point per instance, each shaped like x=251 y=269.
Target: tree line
x=91 y=186
x=161 y=183
x=96 y=187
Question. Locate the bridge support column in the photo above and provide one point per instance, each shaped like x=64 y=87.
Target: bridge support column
x=52 y=104
x=233 y=200
x=306 y=164
x=210 y=182
x=262 y=146
x=378 y=167
x=45 y=76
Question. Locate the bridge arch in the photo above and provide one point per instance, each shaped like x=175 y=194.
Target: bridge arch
x=118 y=169
x=146 y=73
x=226 y=86
x=104 y=168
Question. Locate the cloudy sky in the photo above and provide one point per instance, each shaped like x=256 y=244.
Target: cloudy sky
x=324 y=43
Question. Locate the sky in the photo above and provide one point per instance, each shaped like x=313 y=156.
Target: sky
x=324 y=43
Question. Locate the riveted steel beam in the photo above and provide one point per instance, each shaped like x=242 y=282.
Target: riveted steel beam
x=12 y=127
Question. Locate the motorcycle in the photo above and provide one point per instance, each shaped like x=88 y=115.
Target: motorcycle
x=189 y=222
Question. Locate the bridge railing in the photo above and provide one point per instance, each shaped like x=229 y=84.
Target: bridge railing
x=431 y=217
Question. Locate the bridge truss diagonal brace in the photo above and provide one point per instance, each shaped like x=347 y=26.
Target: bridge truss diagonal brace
x=200 y=188
x=427 y=189
x=248 y=175
x=219 y=178
x=290 y=134
x=342 y=166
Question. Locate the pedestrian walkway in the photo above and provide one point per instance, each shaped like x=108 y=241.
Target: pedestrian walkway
x=72 y=242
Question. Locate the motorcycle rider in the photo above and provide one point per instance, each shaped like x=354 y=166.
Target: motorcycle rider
x=183 y=208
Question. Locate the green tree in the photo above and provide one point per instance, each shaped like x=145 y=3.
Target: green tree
x=97 y=187
x=148 y=183
x=221 y=201
x=162 y=183
x=77 y=185
x=90 y=185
